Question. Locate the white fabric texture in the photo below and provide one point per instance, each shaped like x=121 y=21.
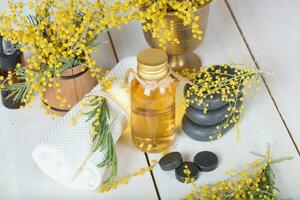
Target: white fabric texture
x=65 y=153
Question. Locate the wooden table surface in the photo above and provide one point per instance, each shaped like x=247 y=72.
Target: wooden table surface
x=259 y=33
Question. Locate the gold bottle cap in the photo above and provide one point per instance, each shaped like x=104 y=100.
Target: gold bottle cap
x=152 y=64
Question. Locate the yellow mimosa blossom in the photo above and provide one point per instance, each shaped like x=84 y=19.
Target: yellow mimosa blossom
x=60 y=35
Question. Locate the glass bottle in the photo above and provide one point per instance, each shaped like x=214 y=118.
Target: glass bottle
x=153 y=103
x=9 y=58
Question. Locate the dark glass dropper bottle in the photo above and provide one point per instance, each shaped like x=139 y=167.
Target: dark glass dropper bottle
x=9 y=58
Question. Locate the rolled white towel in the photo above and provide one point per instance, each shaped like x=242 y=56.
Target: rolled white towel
x=65 y=153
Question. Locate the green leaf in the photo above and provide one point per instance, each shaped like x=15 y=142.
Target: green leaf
x=103 y=141
x=281 y=160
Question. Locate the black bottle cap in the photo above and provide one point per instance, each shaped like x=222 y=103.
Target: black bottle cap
x=193 y=172
x=170 y=161
x=206 y=161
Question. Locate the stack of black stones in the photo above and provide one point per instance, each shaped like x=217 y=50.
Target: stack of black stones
x=209 y=126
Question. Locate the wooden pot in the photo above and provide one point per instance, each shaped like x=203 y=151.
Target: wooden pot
x=74 y=83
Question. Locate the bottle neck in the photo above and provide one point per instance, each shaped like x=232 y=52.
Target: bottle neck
x=8 y=47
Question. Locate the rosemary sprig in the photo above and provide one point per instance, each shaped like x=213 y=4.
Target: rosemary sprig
x=102 y=137
x=18 y=91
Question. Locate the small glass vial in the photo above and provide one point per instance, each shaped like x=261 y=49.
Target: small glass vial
x=9 y=58
x=153 y=103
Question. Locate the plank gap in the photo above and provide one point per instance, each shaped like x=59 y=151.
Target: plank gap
x=152 y=176
x=113 y=46
x=264 y=80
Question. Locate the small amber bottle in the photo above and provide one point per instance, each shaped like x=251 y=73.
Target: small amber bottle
x=9 y=58
x=153 y=103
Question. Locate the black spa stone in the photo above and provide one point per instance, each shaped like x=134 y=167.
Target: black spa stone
x=216 y=102
x=211 y=117
x=170 y=161
x=206 y=161
x=192 y=167
x=203 y=133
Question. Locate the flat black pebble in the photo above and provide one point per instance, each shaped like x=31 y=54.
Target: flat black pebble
x=207 y=161
x=202 y=133
x=211 y=117
x=170 y=161
x=192 y=167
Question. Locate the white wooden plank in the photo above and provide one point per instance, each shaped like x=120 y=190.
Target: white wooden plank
x=261 y=124
x=272 y=30
x=20 y=130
